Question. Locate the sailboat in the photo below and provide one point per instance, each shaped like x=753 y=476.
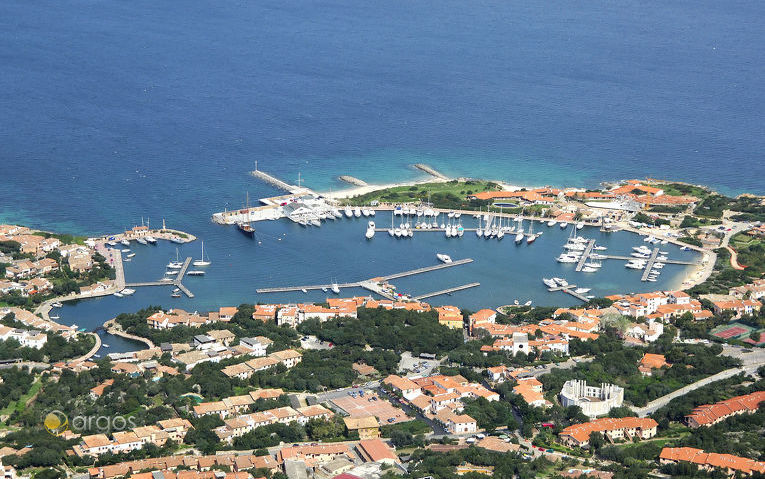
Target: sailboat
x=531 y=236
x=201 y=261
x=391 y=231
x=335 y=288
x=177 y=264
x=246 y=227
x=479 y=231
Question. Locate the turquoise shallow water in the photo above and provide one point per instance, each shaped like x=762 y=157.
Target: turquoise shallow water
x=114 y=111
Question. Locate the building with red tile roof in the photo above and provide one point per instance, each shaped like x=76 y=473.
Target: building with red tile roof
x=710 y=461
x=709 y=414
x=614 y=428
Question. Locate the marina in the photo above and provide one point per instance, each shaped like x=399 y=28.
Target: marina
x=373 y=284
x=177 y=281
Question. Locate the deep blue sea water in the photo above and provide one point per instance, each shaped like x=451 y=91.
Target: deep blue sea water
x=116 y=110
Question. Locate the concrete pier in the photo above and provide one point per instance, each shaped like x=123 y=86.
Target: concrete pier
x=177 y=282
x=585 y=255
x=364 y=283
x=447 y=291
x=432 y=172
x=569 y=288
x=283 y=185
x=352 y=180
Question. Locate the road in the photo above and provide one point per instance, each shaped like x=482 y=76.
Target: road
x=751 y=361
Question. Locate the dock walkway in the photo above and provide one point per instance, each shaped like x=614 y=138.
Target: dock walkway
x=447 y=291
x=585 y=255
x=177 y=282
x=569 y=288
x=365 y=283
x=649 y=264
x=294 y=189
x=426 y=269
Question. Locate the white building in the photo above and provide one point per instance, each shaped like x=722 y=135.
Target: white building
x=594 y=401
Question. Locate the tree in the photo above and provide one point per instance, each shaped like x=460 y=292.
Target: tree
x=596 y=440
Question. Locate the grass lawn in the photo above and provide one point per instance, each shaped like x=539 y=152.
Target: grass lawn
x=676 y=189
x=454 y=190
x=22 y=401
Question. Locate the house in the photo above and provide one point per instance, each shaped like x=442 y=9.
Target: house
x=289 y=357
x=308 y=413
x=497 y=374
x=98 y=391
x=314 y=455
x=626 y=428
x=650 y=361
x=404 y=386
x=226 y=313
x=375 y=450
x=222 y=336
x=257 y=345
x=265 y=312
x=530 y=389
x=457 y=423
x=645 y=332
x=709 y=414
x=739 y=307
x=709 y=461
x=482 y=316
x=367 y=426
x=450 y=316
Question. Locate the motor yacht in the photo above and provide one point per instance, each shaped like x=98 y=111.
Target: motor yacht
x=444 y=258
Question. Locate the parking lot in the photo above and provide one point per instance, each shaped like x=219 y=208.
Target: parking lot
x=412 y=366
x=371 y=404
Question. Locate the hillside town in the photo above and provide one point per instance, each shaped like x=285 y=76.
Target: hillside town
x=664 y=383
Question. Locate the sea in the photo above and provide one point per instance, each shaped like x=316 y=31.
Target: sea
x=114 y=113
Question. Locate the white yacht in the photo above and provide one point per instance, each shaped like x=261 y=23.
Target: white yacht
x=196 y=272
x=315 y=222
x=397 y=232
x=127 y=292
x=563 y=225
x=551 y=223
x=372 y=212
x=579 y=225
x=130 y=255
x=177 y=264
x=567 y=258
x=561 y=281
x=151 y=239
x=119 y=295
x=365 y=212
x=142 y=241
x=202 y=261
x=589 y=269
x=444 y=258
x=519 y=238
x=336 y=213
x=357 y=212
x=125 y=242
x=348 y=212
x=370 y=230
x=56 y=305
x=335 y=288
x=549 y=282
x=582 y=290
